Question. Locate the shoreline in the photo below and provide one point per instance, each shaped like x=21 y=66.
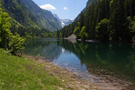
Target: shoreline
x=73 y=38
x=107 y=82
x=72 y=81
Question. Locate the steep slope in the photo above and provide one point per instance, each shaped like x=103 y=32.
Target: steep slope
x=57 y=19
x=85 y=10
x=44 y=18
x=17 y=10
x=102 y=20
x=23 y=22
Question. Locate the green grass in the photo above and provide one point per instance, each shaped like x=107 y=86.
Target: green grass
x=17 y=73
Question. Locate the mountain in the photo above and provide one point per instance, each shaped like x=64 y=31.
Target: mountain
x=57 y=19
x=85 y=10
x=63 y=22
x=102 y=20
x=18 y=12
x=44 y=17
x=66 y=22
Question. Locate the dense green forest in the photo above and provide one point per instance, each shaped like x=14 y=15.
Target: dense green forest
x=105 y=20
x=45 y=18
x=23 y=21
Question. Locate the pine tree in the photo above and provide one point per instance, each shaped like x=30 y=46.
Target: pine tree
x=118 y=21
x=132 y=9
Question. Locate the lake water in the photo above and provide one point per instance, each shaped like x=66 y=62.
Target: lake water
x=93 y=61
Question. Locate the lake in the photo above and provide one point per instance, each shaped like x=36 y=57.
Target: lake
x=97 y=62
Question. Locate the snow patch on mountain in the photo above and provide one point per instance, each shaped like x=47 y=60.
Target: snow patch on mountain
x=65 y=22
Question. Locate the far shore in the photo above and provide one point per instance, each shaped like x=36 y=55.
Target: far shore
x=73 y=39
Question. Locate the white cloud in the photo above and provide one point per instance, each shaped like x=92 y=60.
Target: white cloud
x=48 y=7
x=65 y=8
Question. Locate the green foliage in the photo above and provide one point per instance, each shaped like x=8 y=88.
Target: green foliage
x=24 y=22
x=77 y=31
x=44 y=17
x=60 y=35
x=68 y=30
x=16 y=43
x=102 y=30
x=103 y=56
x=17 y=10
x=132 y=27
x=5 y=33
x=83 y=33
x=18 y=73
x=7 y=39
x=116 y=11
x=118 y=21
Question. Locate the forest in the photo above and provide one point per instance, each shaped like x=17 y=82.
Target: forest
x=23 y=21
x=104 y=20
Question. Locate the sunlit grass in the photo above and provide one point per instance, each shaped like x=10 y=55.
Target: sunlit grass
x=17 y=73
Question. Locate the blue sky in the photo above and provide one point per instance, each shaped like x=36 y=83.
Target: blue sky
x=65 y=9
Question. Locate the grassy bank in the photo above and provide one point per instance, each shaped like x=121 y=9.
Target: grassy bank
x=21 y=73
x=26 y=73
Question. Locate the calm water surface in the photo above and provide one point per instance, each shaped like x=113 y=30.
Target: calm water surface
x=87 y=60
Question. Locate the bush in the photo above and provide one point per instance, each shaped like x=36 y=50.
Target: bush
x=16 y=43
x=9 y=41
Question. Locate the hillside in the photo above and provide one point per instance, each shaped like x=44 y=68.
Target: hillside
x=102 y=20
x=17 y=10
x=26 y=13
x=85 y=10
x=44 y=18
x=22 y=21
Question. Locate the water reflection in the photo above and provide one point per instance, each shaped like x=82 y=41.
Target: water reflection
x=117 y=59
x=105 y=58
x=47 y=48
